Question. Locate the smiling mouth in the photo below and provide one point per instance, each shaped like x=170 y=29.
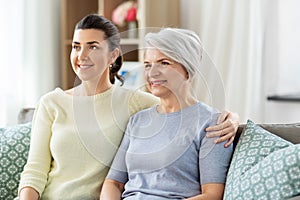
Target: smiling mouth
x=158 y=83
x=84 y=66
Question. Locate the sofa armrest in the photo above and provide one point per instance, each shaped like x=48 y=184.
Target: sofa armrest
x=25 y=115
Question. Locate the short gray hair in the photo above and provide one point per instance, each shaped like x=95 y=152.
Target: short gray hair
x=181 y=45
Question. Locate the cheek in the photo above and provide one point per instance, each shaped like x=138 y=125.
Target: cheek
x=181 y=74
x=100 y=59
x=73 y=56
x=176 y=80
x=175 y=75
x=146 y=75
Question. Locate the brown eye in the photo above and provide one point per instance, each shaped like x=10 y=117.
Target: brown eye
x=75 y=47
x=93 y=47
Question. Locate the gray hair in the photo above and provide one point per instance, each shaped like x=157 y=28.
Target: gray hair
x=181 y=45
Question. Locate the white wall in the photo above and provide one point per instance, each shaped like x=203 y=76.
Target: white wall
x=282 y=65
x=282 y=112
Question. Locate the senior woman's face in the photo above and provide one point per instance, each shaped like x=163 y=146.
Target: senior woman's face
x=163 y=75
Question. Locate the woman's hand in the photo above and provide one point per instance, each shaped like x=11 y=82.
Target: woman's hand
x=28 y=193
x=111 y=190
x=226 y=128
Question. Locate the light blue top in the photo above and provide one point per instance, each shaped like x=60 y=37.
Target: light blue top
x=167 y=156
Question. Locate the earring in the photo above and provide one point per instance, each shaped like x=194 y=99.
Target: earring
x=110 y=66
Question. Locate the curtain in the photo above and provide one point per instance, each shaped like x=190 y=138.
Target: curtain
x=233 y=35
x=11 y=54
x=30 y=54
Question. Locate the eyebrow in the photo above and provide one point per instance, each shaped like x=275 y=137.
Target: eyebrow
x=91 y=42
x=159 y=60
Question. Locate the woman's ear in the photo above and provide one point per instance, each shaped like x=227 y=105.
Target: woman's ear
x=115 y=54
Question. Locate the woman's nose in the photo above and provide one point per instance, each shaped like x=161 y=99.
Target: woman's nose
x=154 y=71
x=83 y=54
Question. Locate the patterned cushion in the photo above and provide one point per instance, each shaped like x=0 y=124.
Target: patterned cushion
x=263 y=166
x=14 y=144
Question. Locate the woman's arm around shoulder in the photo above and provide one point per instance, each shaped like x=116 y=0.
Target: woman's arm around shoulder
x=226 y=128
x=111 y=190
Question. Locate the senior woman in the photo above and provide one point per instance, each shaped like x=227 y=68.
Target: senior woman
x=165 y=153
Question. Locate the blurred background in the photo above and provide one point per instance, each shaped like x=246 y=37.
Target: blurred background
x=252 y=48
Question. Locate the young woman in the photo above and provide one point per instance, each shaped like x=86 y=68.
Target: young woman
x=165 y=153
x=76 y=133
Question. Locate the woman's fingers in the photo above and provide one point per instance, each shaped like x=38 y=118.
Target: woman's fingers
x=223 y=134
x=222 y=117
x=229 y=142
x=220 y=129
x=227 y=125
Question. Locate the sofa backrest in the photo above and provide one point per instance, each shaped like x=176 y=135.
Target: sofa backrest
x=289 y=132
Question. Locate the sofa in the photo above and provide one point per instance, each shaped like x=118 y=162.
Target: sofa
x=265 y=163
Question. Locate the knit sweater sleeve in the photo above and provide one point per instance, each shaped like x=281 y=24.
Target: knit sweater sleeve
x=36 y=170
x=141 y=100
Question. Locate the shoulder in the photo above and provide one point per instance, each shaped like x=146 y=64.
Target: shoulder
x=53 y=100
x=145 y=112
x=208 y=110
x=134 y=93
x=144 y=97
x=208 y=114
x=135 y=99
x=48 y=103
x=57 y=93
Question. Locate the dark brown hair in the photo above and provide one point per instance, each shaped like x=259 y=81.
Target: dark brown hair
x=112 y=35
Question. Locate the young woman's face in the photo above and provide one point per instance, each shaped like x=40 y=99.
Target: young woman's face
x=90 y=55
x=164 y=76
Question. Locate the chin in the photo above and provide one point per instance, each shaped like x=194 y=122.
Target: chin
x=158 y=92
x=82 y=78
x=88 y=76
